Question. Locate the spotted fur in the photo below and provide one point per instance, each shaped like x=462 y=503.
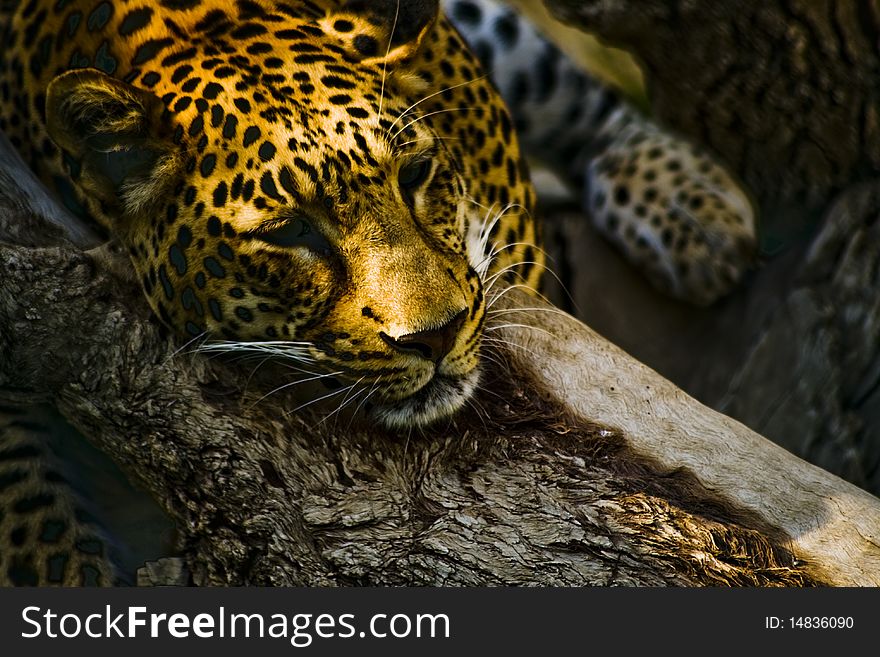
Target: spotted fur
x=287 y=172
x=48 y=535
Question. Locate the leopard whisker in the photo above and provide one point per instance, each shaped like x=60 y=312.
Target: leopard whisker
x=499 y=249
x=298 y=351
x=247 y=383
x=511 y=245
x=487 y=225
x=431 y=139
x=509 y=311
x=505 y=209
x=485 y=234
x=490 y=290
x=202 y=336
x=492 y=358
x=287 y=366
x=481 y=413
x=494 y=277
x=347 y=400
x=486 y=390
x=498 y=327
x=430 y=96
x=385 y=64
x=508 y=345
x=370 y=393
x=406 y=444
x=346 y=403
x=319 y=399
x=470 y=198
x=293 y=384
x=532 y=291
x=495 y=296
x=425 y=116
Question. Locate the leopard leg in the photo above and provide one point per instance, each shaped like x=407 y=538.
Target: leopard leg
x=48 y=536
x=672 y=209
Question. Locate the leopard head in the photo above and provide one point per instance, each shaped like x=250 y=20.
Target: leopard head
x=293 y=192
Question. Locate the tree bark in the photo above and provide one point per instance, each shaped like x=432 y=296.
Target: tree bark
x=578 y=466
x=810 y=375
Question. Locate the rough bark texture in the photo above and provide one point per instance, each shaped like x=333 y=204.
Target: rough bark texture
x=811 y=376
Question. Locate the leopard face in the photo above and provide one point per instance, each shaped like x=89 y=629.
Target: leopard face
x=290 y=176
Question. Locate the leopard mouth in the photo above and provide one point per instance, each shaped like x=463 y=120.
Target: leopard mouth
x=437 y=400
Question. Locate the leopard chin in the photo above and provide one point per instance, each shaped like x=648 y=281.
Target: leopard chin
x=437 y=400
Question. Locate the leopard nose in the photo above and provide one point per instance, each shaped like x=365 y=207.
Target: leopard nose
x=433 y=344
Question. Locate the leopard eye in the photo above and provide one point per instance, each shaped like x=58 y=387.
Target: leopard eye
x=413 y=175
x=294 y=232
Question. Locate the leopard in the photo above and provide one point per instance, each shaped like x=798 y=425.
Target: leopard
x=341 y=184
x=294 y=175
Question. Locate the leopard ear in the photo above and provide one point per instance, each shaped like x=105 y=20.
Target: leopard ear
x=395 y=29
x=119 y=137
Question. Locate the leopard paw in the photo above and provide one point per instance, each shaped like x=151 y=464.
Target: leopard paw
x=675 y=213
